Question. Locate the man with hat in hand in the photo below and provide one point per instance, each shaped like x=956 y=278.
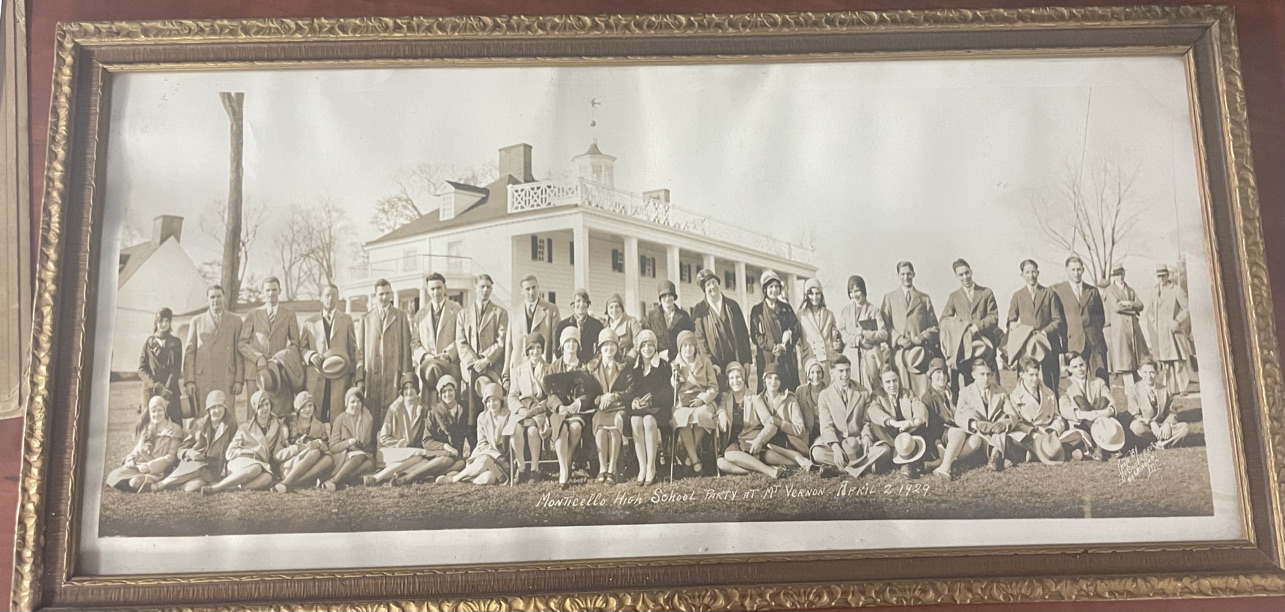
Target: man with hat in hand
x=1039 y=308
x=266 y=331
x=846 y=442
x=538 y=316
x=1171 y=332
x=667 y=320
x=211 y=361
x=432 y=339
x=481 y=330
x=1088 y=405
x=899 y=419
x=975 y=304
x=329 y=344
x=721 y=335
x=1126 y=346
x=983 y=413
x=1085 y=317
x=913 y=330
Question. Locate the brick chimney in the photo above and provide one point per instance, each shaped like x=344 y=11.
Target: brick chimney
x=166 y=227
x=515 y=161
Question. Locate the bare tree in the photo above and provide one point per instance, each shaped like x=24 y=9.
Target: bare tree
x=290 y=246
x=213 y=223
x=1093 y=215
x=418 y=188
x=308 y=246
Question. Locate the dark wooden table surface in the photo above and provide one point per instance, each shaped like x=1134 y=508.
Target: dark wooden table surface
x=1261 y=25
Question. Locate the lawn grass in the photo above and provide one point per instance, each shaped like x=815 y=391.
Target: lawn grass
x=1172 y=482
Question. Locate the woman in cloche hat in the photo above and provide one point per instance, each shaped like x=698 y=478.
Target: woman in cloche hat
x=306 y=458
x=490 y=458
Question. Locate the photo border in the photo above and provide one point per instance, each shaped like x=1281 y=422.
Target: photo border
x=86 y=54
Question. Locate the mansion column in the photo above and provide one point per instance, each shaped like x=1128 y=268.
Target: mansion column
x=742 y=287
x=707 y=262
x=793 y=290
x=348 y=305
x=674 y=266
x=580 y=240
x=631 y=276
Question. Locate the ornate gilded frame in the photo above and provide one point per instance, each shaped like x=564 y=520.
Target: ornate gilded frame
x=88 y=54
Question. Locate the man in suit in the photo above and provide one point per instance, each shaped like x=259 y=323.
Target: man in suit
x=721 y=334
x=1171 y=332
x=667 y=320
x=984 y=414
x=384 y=356
x=538 y=316
x=267 y=330
x=1039 y=307
x=1085 y=317
x=211 y=361
x=481 y=329
x=977 y=305
x=913 y=323
x=432 y=338
x=846 y=441
x=329 y=330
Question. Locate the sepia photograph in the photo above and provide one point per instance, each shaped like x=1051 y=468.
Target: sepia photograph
x=878 y=303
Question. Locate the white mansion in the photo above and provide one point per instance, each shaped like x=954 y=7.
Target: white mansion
x=571 y=233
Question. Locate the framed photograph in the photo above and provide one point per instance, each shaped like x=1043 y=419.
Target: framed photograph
x=651 y=312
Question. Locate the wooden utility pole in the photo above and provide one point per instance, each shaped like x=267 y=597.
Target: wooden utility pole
x=233 y=103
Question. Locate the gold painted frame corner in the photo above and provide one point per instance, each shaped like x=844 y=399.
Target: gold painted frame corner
x=87 y=54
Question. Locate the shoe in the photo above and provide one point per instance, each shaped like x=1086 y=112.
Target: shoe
x=697 y=467
x=1099 y=454
x=207 y=490
x=648 y=482
x=534 y=476
x=280 y=488
x=997 y=461
x=601 y=477
x=520 y=478
x=564 y=485
x=640 y=483
x=909 y=471
x=609 y=479
x=329 y=485
x=398 y=481
x=940 y=473
x=369 y=481
x=443 y=479
x=1077 y=455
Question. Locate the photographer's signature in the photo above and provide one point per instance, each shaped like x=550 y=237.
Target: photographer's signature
x=1135 y=465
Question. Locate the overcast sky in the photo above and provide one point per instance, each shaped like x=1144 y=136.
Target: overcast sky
x=891 y=160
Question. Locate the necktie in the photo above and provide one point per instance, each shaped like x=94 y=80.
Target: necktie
x=907 y=298
x=272 y=315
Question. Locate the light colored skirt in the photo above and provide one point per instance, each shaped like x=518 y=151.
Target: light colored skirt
x=239 y=464
x=392 y=455
x=606 y=419
x=702 y=416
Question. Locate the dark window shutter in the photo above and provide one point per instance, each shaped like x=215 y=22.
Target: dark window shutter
x=549 y=248
x=535 y=248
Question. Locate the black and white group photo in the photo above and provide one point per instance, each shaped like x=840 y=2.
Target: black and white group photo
x=487 y=298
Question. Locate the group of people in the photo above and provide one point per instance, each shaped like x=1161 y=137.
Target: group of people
x=472 y=394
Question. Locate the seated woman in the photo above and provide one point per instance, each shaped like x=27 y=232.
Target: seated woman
x=809 y=395
x=155 y=452
x=652 y=404
x=530 y=423
x=1035 y=411
x=789 y=446
x=1086 y=400
x=565 y=423
x=352 y=441
x=696 y=385
x=746 y=420
x=1151 y=406
x=401 y=437
x=939 y=400
x=445 y=437
x=306 y=458
x=896 y=411
x=616 y=378
x=983 y=413
x=202 y=459
x=252 y=449
x=489 y=460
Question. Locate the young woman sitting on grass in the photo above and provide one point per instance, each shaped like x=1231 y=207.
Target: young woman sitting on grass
x=154 y=453
x=748 y=424
x=202 y=459
x=401 y=438
x=306 y=458
x=351 y=441
x=252 y=449
x=488 y=461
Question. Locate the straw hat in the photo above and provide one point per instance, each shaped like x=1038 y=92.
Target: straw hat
x=333 y=364
x=915 y=358
x=908 y=448
x=1049 y=449
x=1108 y=433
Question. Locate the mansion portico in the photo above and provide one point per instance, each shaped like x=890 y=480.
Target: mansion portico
x=571 y=233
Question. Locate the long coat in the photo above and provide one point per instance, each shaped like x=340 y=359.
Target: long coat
x=916 y=321
x=210 y=358
x=792 y=432
x=1170 y=324
x=1085 y=319
x=904 y=406
x=667 y=330
x=481 y=334
x=1125 y=343
x=1032 y=411
x=434 y=338
x=205 y=447
x=973 y=408
x=259 y=444
x=1042 y=311
x=982 y=310
x=721 y=336
x=314 y=339
x=627 y=328
x=544 y=318
x=1093 y=390
x=1141 y=406
x=619 y=381
x=749 y=419
x=262 y=338
x=589 y=328
x=402 y=431
x=840 y=420
x=809 y=396
x=864 y=332
x=820 y=336
x=349 y=427
x=383 y=356
x=656 y=379
x=160 y=368
x=767 y=329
